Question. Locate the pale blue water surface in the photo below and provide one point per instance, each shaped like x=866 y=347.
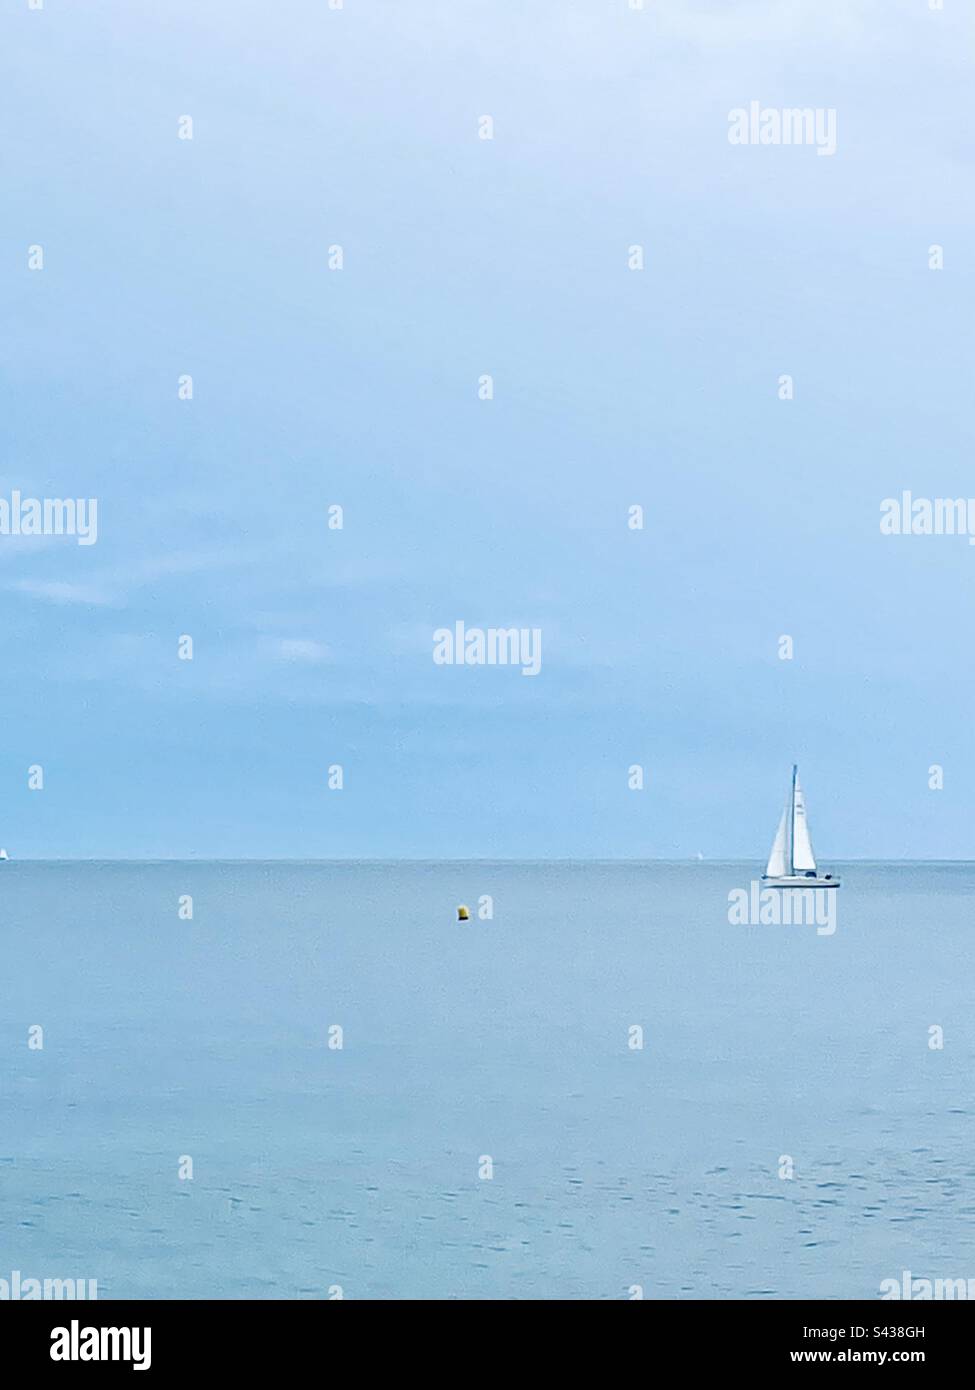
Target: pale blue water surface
x=359 y=1168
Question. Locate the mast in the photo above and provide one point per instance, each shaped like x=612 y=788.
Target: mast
x=792 y=821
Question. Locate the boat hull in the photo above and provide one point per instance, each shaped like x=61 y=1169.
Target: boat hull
x=799 y=881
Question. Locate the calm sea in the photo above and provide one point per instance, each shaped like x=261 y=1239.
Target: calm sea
x=499 y=1046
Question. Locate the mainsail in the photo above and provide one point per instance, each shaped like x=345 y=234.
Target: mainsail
x=803 y=858
x=792 y=851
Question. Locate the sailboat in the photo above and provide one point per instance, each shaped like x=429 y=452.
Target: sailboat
x=792 y=863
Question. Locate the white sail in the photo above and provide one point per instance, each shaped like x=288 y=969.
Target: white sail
x=803 y=858
x=777 y=860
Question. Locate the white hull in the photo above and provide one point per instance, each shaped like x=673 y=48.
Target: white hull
x=800 y=881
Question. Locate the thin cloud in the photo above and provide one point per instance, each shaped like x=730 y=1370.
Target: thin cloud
x=301 y=650
x=60 y=591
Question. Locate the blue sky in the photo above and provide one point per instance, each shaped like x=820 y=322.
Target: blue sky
x=359 y=127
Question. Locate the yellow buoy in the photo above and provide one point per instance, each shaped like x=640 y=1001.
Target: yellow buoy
x=463 y=914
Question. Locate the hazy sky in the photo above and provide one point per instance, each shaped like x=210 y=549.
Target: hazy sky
x=359 y=127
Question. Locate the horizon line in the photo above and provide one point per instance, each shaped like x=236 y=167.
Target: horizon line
x=452 y=859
